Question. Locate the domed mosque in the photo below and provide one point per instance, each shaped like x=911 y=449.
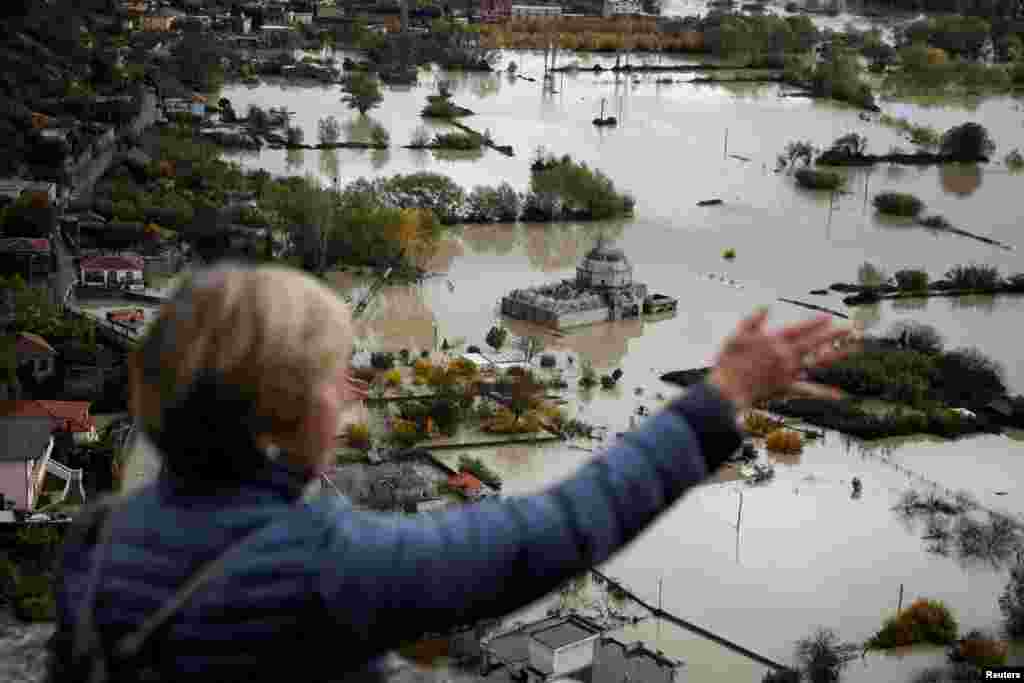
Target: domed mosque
x=602 y=291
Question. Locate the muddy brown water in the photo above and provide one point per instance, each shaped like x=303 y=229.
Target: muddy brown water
x=808 y=554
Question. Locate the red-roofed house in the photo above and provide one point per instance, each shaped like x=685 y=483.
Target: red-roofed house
x=25 y=255
x=112 y=271
x=32 y=350
x=465 y=482
x=67 y=416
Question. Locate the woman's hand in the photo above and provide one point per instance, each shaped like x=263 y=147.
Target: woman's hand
x=754 y=364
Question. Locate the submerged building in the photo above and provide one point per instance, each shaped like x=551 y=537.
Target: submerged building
x=602 y=291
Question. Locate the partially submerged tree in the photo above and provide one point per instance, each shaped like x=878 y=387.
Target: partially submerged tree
x=822 y=656
x=969 y=141
x=362 y=92
x=328 y=130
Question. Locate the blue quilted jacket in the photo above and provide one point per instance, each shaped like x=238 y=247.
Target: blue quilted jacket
x=323 y=590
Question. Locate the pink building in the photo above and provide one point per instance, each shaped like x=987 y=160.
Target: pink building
x=495 y=10
x=25 y=447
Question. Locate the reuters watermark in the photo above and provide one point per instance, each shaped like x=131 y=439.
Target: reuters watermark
x=1004 y=673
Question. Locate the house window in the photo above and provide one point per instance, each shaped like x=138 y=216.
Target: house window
x=95 y=277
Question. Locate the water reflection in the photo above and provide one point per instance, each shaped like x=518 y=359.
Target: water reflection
x=329 y=166
x=558 y=246
x=497 y=239
x=379 y=158
x=960 y=179
x=911 y=304
x=358 y=129
x=459 y=154
x=981 y=302
x=294 y=159
x=868 y=315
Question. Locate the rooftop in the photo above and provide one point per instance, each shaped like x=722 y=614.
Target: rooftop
x=70 y=416
x=113 y=263
x=570 y=631
x=29 y=342
x=23 y=438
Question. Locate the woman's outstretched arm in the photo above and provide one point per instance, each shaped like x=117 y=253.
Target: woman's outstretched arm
x=388 y=577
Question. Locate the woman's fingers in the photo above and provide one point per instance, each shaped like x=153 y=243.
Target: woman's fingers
x=813 y=341
x=815 y=390
x=796 y=331
x=754 y=322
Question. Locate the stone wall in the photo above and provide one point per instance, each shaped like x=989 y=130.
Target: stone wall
x=522 y=310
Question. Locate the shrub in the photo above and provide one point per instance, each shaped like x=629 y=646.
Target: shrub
x=420 y=137
x=813 y=179
x=925 y=621
x=871 y=276
x=911 y=280
x=496 y=337
x=446 y=415
x=980 y=649
x=1011 y=603
x=358 y=435
x=294 y=135
x=393 y=378
x=822 y=656
x=460 y=141
x=936 y=222
x=974 y=277
x=729 y=254
x=328 y=130
x=588 y=376
x=379 y=135
x=464 y=368
x=422 y=367
x=917 y=336
x=784 y=441
x=404 y=433
x=898 y=204
x=967 y=142
x=1014 y=161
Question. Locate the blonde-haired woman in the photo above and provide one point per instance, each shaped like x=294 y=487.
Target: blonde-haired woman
x=222 y=571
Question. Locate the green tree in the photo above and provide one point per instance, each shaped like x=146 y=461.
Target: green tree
x=967 y=142
x=328 y=130
x=1011 y=603
x=362 y=92
x=822 y=656
x=496 y=337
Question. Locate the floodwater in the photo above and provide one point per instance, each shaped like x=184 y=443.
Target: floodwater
x=807 y=554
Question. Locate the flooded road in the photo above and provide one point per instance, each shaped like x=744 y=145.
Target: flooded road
x=807 y=554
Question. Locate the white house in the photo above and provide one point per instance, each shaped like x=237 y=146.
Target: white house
x=112 y=271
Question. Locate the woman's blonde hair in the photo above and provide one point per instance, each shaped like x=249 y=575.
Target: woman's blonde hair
x=272 y=332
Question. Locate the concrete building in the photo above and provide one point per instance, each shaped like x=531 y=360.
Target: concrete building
x=602 y=291
x=615 y=662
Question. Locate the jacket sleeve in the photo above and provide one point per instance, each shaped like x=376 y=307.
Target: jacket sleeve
x=388 y=578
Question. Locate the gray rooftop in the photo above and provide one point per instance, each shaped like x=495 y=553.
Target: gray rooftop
x=560 y=635
x=24 y=438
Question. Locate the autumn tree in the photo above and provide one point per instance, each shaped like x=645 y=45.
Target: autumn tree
x=524 y=393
